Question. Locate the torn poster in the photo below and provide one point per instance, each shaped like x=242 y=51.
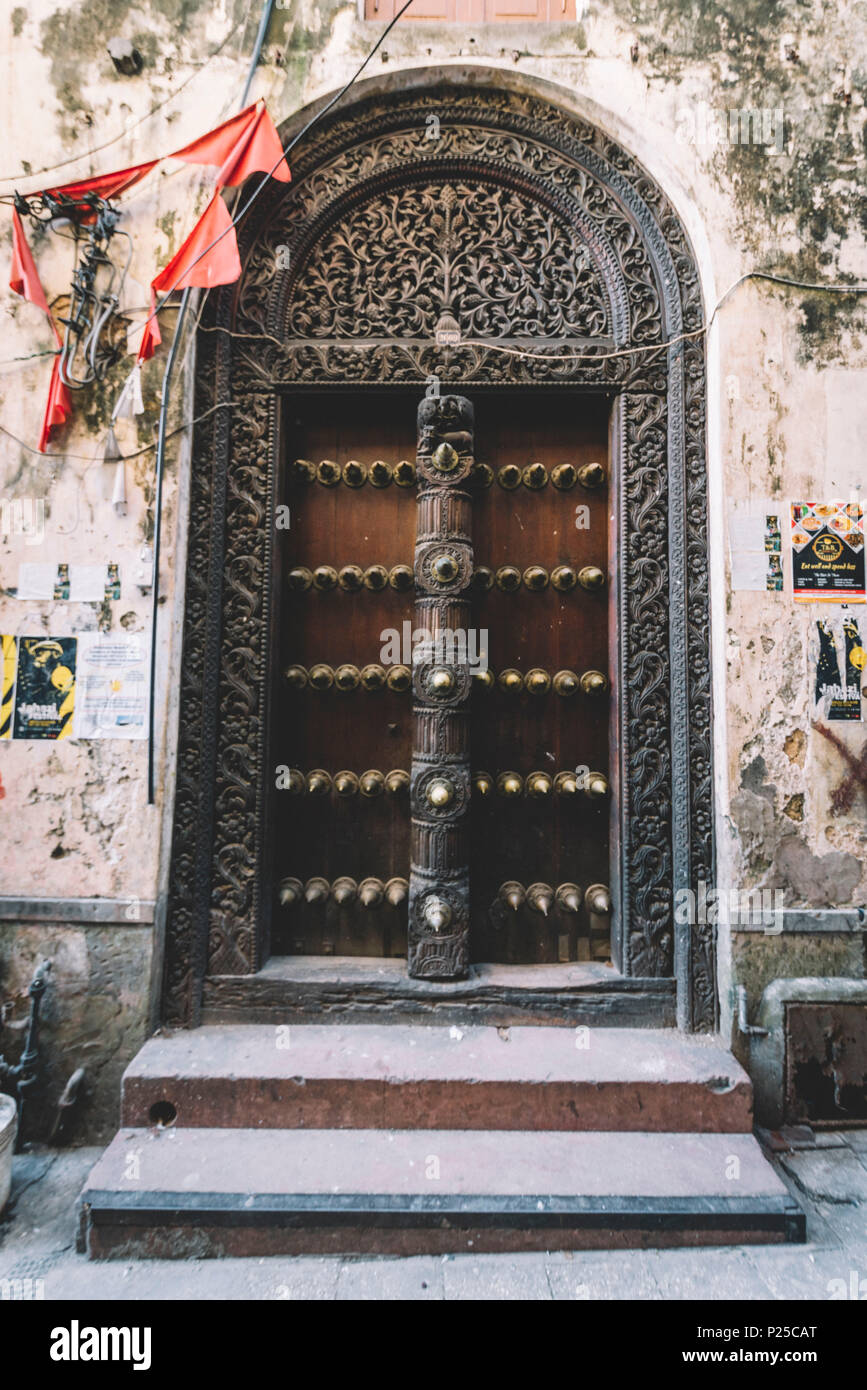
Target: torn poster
x=45 y=687
x=839 y=669
x=828 y=552
x=112 y=698
x=756 y=548
x=78 y=583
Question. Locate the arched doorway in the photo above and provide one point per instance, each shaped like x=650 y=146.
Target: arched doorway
x=545 y=259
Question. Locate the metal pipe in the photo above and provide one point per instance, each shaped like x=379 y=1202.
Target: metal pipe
x=264 y=22
x=750 y=1030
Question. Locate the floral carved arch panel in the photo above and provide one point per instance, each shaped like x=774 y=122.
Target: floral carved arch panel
x=564 y=264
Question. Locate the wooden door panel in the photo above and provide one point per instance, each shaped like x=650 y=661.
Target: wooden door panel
x=552 y=840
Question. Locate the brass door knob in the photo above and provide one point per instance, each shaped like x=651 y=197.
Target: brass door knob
x=371 y=783
x=535 y=579
x=483 y=579
x=320 y=676
x=483 y=784
x=568 y=897
x=343 y=891
x=300 y=579
x=351 y=578
x=290 y=892
x=510 y=785
x=316 y=890
x=594 y=683
x=396 y=892
x=303 y=471
x=437 y=913
x=295 y=677
x=294 y=782
x=508 y=578
x=347 y=678
x=373 y=676
x=565 y=683
x=565 y=784
x=318 y=782
x=537 y=681
x=441 y=681
x=445 y=568
x=379 y=473
x=445 y=459
x=354 y=473
x=396 y=782
x=591 y=577
x=325 y=578
x=597 y=899
x=345 y=783
x=564 y=578
x=328 y=473
x=535 y=476
x=441 y=792
x=399 y=678
x=591 y=476
x=401 y=578
x=597 y=786
x=370 y=892
x=510 y=680
x=375 y=578
x=539 y=785
x=485 y=680
x=512 y=894
x=540 y=897
x=404 y=473
x=564 y=476
x=482 y=475
x=509 y=476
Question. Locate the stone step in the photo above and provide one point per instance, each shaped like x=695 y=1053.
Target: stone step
x=207 y=1192
x=392 y=1076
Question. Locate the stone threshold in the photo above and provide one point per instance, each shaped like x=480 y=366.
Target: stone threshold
x=321 y=989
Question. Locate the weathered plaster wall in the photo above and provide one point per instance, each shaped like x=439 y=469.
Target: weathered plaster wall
x=788 y=410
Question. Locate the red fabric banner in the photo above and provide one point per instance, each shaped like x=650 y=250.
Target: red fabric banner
x=104 y=185
x=58 y=407
x=199 y=262
x=247 y=144
x=151 y=337
x=24 y=277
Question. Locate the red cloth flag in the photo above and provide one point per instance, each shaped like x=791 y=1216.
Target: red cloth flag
x=246 y=144
x=24 y=277
x=104 y=185
x=199 y=262
x=151 y=337
x=58 y=407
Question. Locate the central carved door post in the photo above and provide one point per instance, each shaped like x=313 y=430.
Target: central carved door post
x=439 y=885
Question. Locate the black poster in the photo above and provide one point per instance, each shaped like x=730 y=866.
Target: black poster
x=828 y=551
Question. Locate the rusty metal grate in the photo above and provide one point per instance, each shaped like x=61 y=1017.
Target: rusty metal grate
x=826 y=1064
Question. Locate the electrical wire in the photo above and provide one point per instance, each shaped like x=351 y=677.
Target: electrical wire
x=283 y=155
x=137 y=453
x=97 y=149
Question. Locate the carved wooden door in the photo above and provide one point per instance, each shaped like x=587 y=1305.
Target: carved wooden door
x=456 y=783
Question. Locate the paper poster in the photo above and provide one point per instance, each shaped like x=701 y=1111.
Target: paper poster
x=8 y=659
x=77 y=583
x=756 y=549
x=45 y=687
x=112 y=694
x=828 y=552
x=840 y=662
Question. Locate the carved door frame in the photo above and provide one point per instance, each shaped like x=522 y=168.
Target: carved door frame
x=619 y=279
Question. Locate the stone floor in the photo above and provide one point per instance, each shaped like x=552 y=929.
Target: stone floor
x=827 y=1173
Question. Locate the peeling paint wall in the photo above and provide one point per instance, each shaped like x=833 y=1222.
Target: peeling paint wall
x=788 y=401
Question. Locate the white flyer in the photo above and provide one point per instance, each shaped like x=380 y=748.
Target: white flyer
x=111 y=696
